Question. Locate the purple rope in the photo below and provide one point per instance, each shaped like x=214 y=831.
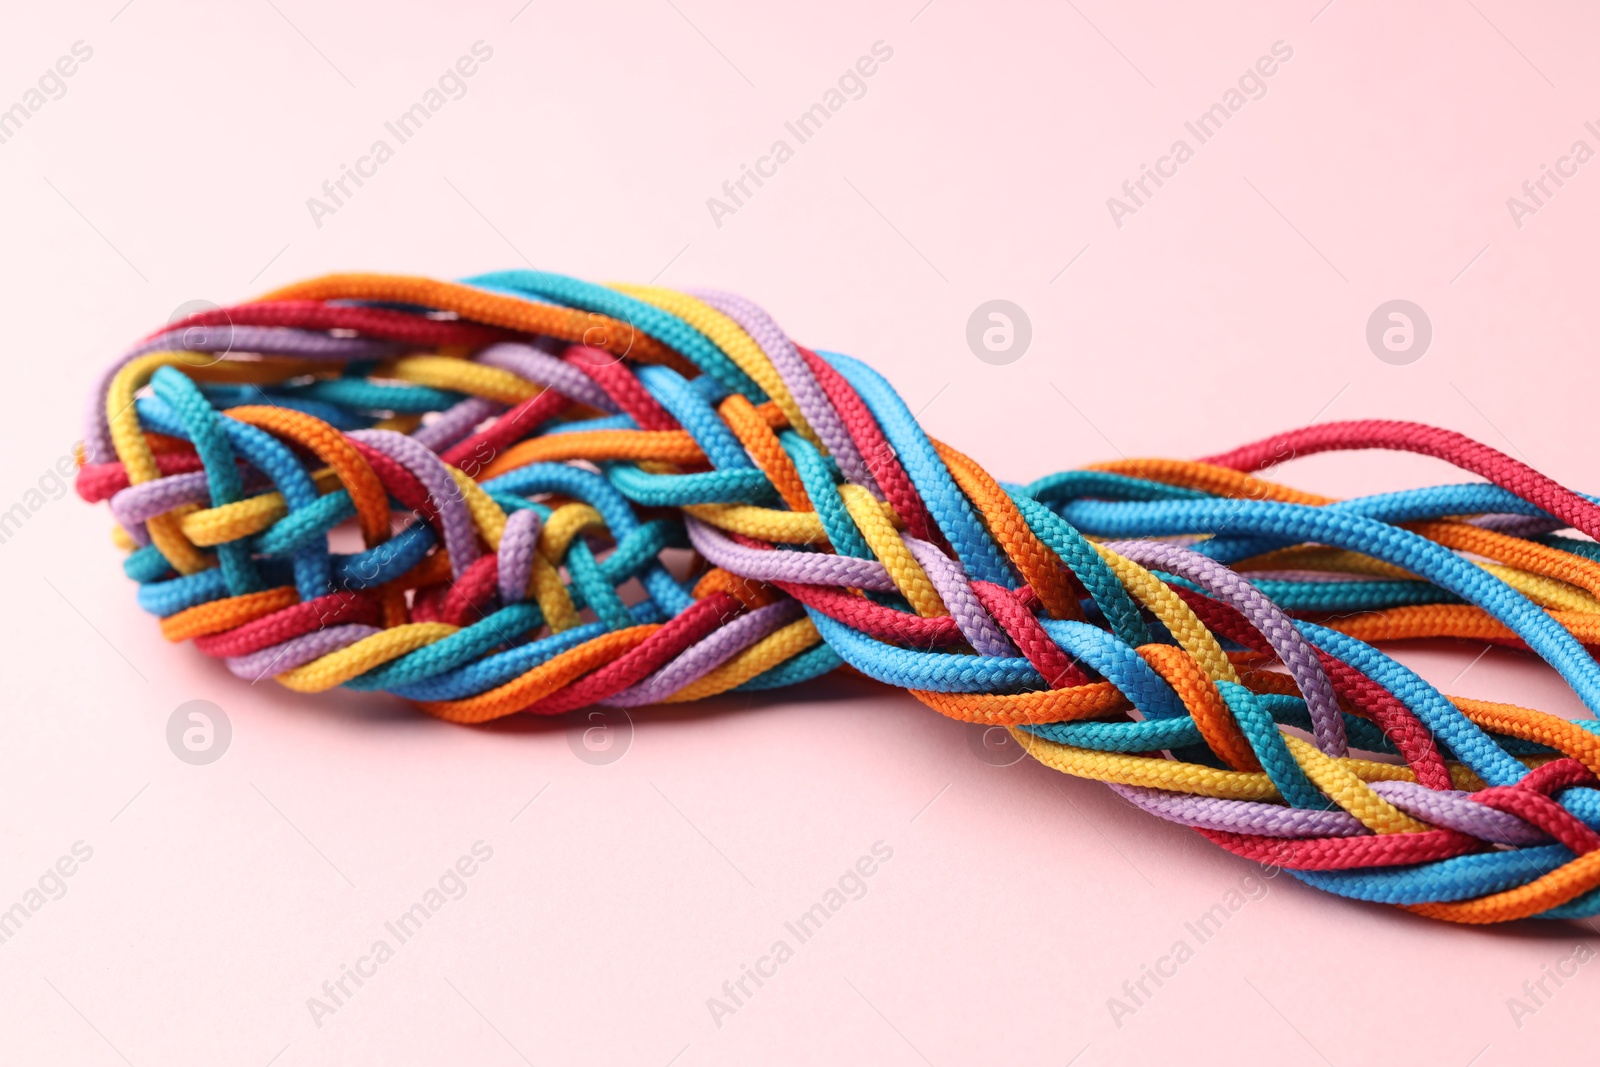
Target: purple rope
x=137 y=503
x=949 y=579
x=455 y=422
x=810 y=568
x=297 y=651
x=460 y=536
x=133 y=505
x=1454 y=810
x=1279 y=630
x=1242 y=816
x=266 y=340
x=1526 y=526
x=1310 y=576
x=803 y=386
x=518 y=542
x=711 y=652
x=528 y=362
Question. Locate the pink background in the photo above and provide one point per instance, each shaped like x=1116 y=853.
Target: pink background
x=977 y=166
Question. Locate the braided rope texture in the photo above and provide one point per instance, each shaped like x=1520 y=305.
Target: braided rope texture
x=523 y=493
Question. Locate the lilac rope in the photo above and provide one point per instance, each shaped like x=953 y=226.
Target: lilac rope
x=136 y=504
x=707 y=655
x=455 y=422
x=803 y=386
x=265 y=340
x=1527 y=526
x=460 y=536
x=1311 y=576
x=1450 y=809
x=810 y=568
x=949 y=580
x=518 y=542
x=297 y=651
x=528 y=362
x=1455 y=810
x=1242 y=816
x=1279 y=630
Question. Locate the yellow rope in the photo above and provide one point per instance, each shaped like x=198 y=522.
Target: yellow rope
x=765 y=654
x=1179 y=619
x=732 y=339
x=886 y=543
x=460 y=376
x=339 y=667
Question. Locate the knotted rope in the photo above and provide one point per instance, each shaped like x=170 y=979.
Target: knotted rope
x=525 y=493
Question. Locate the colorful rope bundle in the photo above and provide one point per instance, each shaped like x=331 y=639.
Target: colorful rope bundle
x=525 y=493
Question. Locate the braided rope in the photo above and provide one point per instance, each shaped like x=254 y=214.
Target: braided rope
x=567 y=495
